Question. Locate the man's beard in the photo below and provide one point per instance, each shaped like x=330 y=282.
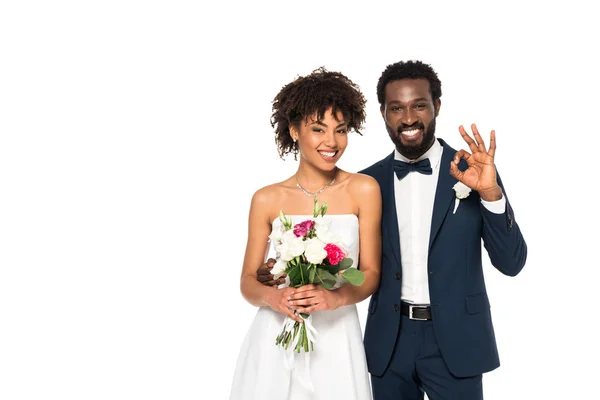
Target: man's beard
x=415 y=150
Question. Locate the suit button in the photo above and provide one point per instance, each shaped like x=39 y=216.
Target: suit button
x=397 y=276
x=396 y=308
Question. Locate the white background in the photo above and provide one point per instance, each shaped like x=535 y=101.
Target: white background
x=133 y=135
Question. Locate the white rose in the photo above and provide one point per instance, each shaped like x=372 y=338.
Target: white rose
x=288 y=236
x=321 y=224
x=278 y=268
x=462 y=190
x=277 y=233
x=315 y=251
x=323 y=232
x=330 y=237
x=297 y=247
x=290 y=247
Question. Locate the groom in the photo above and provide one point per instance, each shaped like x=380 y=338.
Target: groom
x=429 y=328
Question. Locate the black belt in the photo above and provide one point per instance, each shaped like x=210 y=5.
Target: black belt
x=415 y=311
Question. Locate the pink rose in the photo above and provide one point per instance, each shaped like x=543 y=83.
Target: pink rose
x=301 y=229
x=334 y=254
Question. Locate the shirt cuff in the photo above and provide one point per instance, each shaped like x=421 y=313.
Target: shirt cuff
x=496 y=207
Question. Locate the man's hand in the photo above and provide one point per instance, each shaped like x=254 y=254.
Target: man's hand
x=264 y=276
x=481 y=173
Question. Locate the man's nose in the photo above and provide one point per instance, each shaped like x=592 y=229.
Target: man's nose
x=408 y=117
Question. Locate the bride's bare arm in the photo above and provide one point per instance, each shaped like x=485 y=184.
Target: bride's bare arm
x=259 y=229
x=368 y=195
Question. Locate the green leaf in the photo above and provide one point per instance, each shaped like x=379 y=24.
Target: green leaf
x=295 y=275
x=354 y=276
x=299 y=275
x=325 y=279
x=311 y=275
x=305 y=273
x=345 y=263
x=333 y=269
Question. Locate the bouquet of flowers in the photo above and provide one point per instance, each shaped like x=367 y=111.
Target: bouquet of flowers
x=309 y=253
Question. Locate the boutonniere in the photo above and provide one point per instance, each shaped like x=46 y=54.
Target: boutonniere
x=461 y=191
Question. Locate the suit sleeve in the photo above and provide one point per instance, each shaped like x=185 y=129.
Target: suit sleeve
x=503 y=239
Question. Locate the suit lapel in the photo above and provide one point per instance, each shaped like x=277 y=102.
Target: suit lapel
x=390 y=217
x=444 y=194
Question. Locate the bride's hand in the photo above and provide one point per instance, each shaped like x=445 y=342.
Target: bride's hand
x=278 y=300
x=309 y=298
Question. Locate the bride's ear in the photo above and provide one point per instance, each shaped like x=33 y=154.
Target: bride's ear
x=293 y=133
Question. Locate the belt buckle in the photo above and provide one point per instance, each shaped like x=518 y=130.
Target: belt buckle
x=410 y=313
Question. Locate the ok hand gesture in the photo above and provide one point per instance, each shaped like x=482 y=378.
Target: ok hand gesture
x=481 y=172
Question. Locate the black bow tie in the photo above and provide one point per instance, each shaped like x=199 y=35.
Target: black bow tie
x=403 y=168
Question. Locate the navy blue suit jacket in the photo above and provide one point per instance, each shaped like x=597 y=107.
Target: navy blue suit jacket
x=459 y=301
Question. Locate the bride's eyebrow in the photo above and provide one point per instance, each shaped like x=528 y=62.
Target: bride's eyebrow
x=325 y=125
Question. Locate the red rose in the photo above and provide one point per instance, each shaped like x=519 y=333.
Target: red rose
x=334 y=254
x=301 y=229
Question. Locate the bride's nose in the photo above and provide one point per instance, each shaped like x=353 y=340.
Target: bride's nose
x=330 y=140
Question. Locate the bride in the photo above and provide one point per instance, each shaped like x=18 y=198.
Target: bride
x=312 y=116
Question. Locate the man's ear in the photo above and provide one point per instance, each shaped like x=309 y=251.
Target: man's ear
x=437 y=104
x=382 y=110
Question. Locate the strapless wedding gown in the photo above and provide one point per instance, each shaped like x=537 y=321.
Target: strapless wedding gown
x=337 y=367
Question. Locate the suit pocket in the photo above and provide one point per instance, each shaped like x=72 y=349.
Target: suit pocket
x=373 y=303
x=477 y=303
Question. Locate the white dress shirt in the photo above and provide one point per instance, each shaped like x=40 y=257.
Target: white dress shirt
x=415 y=195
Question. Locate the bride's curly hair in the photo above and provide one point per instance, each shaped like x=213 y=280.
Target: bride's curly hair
x=315 y=93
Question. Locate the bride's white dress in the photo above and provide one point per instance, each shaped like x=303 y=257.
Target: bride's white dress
x=337 y=366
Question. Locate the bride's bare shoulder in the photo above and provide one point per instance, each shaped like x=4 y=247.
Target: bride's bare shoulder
x=270 y=196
